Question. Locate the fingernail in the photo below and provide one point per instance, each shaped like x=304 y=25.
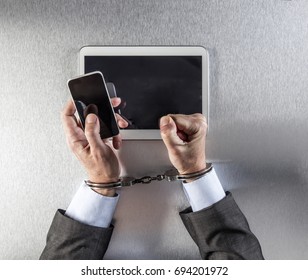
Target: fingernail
x=91 y=118
x=164 y=120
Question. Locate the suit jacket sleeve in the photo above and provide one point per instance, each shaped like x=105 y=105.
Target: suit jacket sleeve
x=221 y=231
x=69 y=239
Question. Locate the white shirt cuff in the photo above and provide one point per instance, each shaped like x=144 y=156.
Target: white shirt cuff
x=91 y=208
x=204 y=192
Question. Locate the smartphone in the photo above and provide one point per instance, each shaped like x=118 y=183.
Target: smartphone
x=90 y=95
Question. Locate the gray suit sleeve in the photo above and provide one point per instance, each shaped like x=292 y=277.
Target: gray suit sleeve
x=69 y=239
x=221 y=231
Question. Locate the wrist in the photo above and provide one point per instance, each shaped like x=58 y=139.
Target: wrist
x=101 y=179
x=196 y=172
x=192 y=168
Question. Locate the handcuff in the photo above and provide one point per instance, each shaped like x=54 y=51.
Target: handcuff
x=170 y=176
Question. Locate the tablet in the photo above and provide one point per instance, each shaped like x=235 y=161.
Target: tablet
x=152 y=82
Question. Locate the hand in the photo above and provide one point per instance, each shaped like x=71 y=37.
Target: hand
x=184 y=137
x=96 y=155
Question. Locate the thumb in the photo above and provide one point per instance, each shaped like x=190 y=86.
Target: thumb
x=92 y=130
x=168 y=131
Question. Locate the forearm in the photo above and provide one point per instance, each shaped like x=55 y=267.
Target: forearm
x=70 y=239
x=92 y=208
x=204 y=192
x=83 y=231
x=216 y=223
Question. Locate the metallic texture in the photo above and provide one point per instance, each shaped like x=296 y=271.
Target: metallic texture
x=173 y=174
x=170 y=175
x=111 y=185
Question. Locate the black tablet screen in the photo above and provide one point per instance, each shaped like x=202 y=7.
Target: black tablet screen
x=152 y=86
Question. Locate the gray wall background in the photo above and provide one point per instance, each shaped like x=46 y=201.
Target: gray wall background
x=258 y=68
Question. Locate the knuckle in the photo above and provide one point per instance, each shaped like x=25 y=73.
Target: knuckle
x=63 y=111
x=164 y=130
x=203 y=127
x=201 y=120
x=203 y=123
x=72 y=147
x=62 y=115
x=71 y=134
x=89 y=131
x=200 y=117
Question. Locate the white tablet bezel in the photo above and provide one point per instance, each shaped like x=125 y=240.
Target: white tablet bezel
x=152 y=134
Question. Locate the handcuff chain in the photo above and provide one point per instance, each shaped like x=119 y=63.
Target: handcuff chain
x=148 y=179
x=170 y=175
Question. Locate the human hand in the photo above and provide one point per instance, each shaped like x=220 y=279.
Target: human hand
x=184 y=137
x=95 y=154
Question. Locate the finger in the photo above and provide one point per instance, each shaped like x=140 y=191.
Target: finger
x=117 y=142
x=69 y=120
x=74 y=134
x=189 y=124
x=168 y=131
x=90 y=109
x=92 y=131
x=69 y=109
x=115 y=101
x=68 y=113
x=183 y=136
x=121 y=122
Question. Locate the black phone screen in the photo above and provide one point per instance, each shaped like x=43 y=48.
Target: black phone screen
x=90 y=96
